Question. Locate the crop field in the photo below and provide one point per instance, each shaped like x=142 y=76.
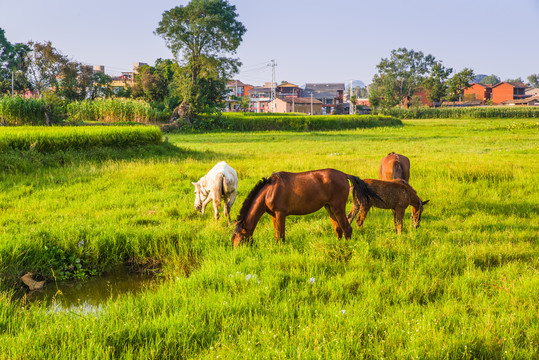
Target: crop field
x=464 y=285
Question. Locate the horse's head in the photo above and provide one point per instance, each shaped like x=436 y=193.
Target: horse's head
x=201 y=194
x=416 y=213
x=240 y=234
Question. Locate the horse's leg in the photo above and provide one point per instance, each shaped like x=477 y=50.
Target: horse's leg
x=340 y=214
x=334 y=222
x=216 y=206
x=399 y=215
x=352 y=214
x=278 y=225
x=363 y=211
x=205 y=203
x=229 y=203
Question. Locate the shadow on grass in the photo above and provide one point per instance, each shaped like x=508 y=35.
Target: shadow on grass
x=30 y=161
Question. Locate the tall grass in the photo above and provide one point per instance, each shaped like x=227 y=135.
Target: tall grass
x=463 y=286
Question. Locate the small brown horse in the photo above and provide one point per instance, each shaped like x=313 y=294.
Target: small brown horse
x=285 y=193
x=397 y=195
x=394 y=166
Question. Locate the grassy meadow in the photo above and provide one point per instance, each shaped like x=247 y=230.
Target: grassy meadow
x=465 y=285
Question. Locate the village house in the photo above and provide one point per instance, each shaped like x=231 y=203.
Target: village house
x=260 y=98
x=508 y=91
x=330 y=94
x=298 y=105
x=477 y=91
x=236 y=90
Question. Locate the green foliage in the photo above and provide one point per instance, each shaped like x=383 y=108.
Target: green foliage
x=12 y=65
x=490 y=80
x=465 y=113
x=533 y=80
x=203 y=31
x=65 y=265
x=436 y=83
x=50 y=139
x=458 y=83
x=290 y=122
x=401 y=75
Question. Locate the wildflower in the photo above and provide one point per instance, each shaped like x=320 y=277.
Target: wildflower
x=342 y=311
x=81 y=243
x=311 y=280
x=248 y=277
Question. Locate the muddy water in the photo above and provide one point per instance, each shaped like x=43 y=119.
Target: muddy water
x=90 y=294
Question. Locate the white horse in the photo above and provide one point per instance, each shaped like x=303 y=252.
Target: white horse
x=220 y=181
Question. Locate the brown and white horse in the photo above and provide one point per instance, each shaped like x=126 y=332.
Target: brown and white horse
x=397 y=195
x=285 y=193
x=394 y=166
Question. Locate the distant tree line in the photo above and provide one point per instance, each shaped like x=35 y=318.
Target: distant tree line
x=407 y=72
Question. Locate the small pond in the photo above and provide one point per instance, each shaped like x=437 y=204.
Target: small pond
x=90 y=293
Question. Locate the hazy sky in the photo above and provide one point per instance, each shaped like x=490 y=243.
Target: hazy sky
x=310 y=40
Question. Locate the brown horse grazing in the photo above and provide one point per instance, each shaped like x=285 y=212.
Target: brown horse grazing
x=394 y=166
x=285 y=193
x=397 y=195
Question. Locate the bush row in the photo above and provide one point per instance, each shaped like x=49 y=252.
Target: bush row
x=299 y=122
x=468 y=112
x=48 y=139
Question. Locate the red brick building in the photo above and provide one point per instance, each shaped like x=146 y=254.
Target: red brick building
x=477 y=91
x=508 y=91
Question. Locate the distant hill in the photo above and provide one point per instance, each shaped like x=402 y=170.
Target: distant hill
x=355 y=84
x=478 y=78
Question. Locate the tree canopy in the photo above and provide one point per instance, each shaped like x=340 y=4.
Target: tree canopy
x=401 y=75
x=201 y=35
x=458 y=83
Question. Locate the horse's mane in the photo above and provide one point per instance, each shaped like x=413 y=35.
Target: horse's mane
x=250 y=198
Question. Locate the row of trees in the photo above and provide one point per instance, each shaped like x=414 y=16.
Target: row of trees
x=406 y=72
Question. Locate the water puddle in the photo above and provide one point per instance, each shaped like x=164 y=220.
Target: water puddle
x=88 y=295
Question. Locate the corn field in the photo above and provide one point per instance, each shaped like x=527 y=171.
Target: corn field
x=19 y=111
x=484 y=112
x=114 y=110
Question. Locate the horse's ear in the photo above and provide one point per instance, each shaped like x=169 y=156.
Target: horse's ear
x=424 y=202
x=194 y=183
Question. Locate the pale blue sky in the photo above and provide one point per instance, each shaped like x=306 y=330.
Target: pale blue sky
x=310 y=40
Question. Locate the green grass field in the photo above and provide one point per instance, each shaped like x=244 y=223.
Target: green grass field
x=465 y=285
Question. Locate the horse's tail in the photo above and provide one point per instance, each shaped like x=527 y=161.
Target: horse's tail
x=397 y=172
x=219 y=187
x=362 y=191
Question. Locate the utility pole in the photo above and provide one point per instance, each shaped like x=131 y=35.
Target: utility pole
x=311 y=102
x=352 y=106
x=12 y=83
x=273 y=95
x=293 y=96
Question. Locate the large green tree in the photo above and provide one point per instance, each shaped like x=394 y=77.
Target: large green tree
x=436 y=83
x=533 y=80
x=45 y=65
x=458 y=83
x=12 y=64
x=201 y=35
x=401 y=75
